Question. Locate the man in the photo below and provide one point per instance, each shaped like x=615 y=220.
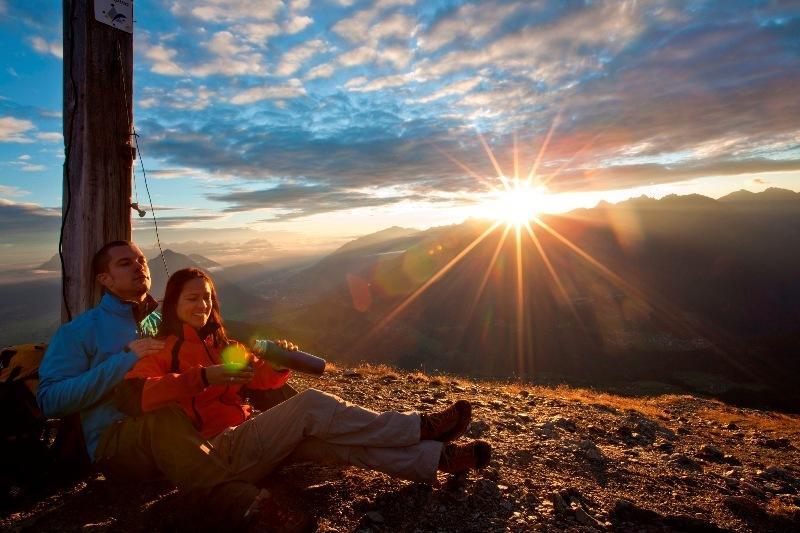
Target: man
x=89 y=356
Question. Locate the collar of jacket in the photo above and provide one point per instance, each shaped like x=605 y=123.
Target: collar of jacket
x=118 y=306
x=191 y=334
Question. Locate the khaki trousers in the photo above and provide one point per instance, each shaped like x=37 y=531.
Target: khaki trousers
x=321 y=427
x=311 y=426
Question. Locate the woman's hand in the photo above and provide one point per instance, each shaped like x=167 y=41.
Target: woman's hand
x=286 y=345
x=222 y=375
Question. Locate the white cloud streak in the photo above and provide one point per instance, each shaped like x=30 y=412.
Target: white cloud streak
x=43 y=46
x=13 y=130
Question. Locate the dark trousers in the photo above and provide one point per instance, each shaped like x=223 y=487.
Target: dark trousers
x=164 y=443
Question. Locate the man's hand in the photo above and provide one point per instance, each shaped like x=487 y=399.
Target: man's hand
x=145 y=347
x=222 y=375
x=287 y=345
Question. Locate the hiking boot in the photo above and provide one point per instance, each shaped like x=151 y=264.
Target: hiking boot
x=275 y=512
x=458 y=458
x=446 y=425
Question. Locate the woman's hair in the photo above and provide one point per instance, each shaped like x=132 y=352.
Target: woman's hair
x=172 y=325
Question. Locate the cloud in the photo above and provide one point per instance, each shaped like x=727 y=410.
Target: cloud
x=269 y=92
x=298 y=23
x=229 y=58
x=173 y=173
x=13 y=130
x=362 y=26
x=10 y=190
x=299 y=5
x=162 y=59
x=646 y=93
x=320 y=71
x=571 y=44
x=217 y=11
x=398 y=56
x=42 y=46
x=362 y=85
x=189 y=96
x=50 y=136
x=292 y=201
x=635 y=175
x=470 y=22
x=173 y=221
x=294 y=59
x=257 y=33
x=358 y=56
x=32 y=168
x=456 y=88
x=24 y=218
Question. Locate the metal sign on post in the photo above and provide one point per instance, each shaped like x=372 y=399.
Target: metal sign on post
x=116 y=13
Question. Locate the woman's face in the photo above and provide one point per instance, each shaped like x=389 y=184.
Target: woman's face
x=194 y=303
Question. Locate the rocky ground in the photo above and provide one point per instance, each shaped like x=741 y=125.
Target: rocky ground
x=564 y=460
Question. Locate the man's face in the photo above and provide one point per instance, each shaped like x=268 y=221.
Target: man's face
x=128 y=276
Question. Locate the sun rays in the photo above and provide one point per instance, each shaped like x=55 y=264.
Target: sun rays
x=516 y=203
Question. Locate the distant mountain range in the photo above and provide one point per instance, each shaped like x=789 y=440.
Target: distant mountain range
x=692 y=287
x=685 y=289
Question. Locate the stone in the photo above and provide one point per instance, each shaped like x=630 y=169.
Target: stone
x=375 y=517
x=710 y=453
x=477 y=428
x=752 y=489
x=731 y=460
x=563 y=423
x=352 y=374
x=584 y=518
x=781 y=443
x=678 y=459
x=777 y=472
x=744 y=507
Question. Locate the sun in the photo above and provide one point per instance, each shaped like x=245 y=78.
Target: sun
x=517 y=203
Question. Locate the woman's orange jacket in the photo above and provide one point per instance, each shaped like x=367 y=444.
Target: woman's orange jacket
x=152 y=384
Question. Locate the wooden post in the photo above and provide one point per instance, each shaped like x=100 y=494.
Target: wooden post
x=98 y=113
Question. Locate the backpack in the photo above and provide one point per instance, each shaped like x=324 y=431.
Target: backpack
x=33 y=449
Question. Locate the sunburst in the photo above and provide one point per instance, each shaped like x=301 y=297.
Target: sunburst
x=517 y=203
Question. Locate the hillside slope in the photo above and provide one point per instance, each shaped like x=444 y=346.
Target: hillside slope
x=564 y=460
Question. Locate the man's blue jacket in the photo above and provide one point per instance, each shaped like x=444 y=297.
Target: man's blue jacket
x=87 y=358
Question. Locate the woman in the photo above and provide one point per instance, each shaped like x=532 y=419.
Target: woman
x=312 y=425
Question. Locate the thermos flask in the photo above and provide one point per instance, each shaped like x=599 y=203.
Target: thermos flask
x=296 y=360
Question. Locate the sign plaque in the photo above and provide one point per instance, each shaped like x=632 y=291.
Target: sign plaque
x=115 y=13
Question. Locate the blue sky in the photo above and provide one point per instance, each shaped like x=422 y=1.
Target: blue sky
x=306 y=123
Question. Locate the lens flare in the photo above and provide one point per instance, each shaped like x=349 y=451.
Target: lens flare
x=235 y=357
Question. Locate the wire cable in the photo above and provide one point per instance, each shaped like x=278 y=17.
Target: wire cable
x=139 y=155
x=67 y=161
